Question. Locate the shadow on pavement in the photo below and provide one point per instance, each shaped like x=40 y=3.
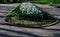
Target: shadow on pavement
x=2 y=16
x=50 y=29
x=5 y=35
x=18 y=32
x=57 y=35
x=6 y=8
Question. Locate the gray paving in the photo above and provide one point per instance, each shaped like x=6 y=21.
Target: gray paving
x=13 y=31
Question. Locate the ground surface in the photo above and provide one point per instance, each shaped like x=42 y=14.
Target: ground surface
x=13 y=31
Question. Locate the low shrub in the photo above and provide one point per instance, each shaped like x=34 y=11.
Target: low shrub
x=7 y=19
x=47 y=18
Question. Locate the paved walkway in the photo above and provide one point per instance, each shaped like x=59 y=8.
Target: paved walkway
x=13 y=31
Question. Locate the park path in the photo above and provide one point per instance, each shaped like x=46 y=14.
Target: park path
x=13 y=31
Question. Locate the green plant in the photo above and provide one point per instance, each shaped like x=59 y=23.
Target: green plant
x=26 y=18
x=7 y=19
x=12 y=14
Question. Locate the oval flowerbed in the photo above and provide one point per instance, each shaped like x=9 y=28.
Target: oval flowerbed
x=29 y=15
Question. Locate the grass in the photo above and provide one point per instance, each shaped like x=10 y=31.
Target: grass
x=40 y=2
x=48 y=19
x=34 y=1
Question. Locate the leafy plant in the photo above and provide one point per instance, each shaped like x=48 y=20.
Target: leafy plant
x=8 y=19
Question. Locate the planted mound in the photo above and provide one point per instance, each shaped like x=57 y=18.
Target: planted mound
x=29 y=12
x=30 y=15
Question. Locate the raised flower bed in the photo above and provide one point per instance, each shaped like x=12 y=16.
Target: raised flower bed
x=29 y=15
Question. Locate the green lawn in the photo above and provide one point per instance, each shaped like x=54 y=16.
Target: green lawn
x=33 y=1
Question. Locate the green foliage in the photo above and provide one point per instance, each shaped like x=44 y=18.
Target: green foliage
x=8 y=19
x=12 y=14
x=47 y=17
x=55 y=1
x=46 y=1
x=41 y=2
x=33 y=1
x=15 y=1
